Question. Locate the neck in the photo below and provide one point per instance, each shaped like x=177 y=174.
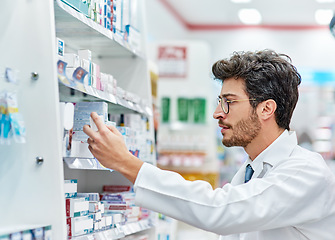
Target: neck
x=261 y=142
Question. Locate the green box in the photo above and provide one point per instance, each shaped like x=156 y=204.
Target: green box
x=183 y=109
x=199 y=110
x=165 y=109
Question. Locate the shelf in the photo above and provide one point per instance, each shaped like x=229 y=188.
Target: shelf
x=135 y=227
x=118 y=232
x=183 y=126
x=76 y=85
x=79 y=31
x=84 y=163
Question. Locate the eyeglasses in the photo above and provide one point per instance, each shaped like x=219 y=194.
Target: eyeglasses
x=224 y=103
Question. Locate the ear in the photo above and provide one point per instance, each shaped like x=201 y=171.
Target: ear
x=267 y=109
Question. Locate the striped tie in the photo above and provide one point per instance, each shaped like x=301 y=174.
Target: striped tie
x=248 y=173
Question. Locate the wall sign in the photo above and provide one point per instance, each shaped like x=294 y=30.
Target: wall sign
x=172 y=61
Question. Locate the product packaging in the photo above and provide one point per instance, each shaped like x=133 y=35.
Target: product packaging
x=79 y=225
x=70 y=188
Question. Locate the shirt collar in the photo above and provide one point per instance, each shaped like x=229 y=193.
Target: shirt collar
x=279 y=149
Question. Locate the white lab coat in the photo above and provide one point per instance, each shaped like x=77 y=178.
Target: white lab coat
x=291 y=196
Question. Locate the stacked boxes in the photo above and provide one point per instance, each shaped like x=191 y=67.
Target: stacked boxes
x=119 y=16
x=77 y=211
x=77 y=206
x=120 y=204
x=38 y=233
x=77 y=226
x=92 y=212
x=135 y=131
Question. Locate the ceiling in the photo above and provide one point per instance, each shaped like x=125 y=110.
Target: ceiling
x=223 y=14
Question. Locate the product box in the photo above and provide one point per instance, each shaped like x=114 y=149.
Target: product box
x=95 y=216
x=116 y=197
x=85 y=54
x=80 y=6
x=95 y=206
x=117 y=18
x=35 y=233
x=27 y=235
x=104 y=82
x=76 y=207
x=70 y=188
x=102 y=225
x=92 y=197
x=116 y=188
x=72 y=60
x=108 y=220
x=86 y=65
x=16 y=236
x=38 y=233
x=117 y=218
x=60 y=48
x=4 y=237
x=125 y=131
x=115 y=206
x=133 y=37
x=79 y=225
x=85 y=57
x=82 y=111
x=47 y=233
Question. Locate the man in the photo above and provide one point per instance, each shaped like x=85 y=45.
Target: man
x=291 y=194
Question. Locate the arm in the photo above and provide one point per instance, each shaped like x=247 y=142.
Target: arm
x=283 y=199
x=107 y=145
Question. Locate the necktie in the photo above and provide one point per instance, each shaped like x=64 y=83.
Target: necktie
x=248 y=173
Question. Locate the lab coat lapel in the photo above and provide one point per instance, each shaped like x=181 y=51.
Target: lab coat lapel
x=239 y=176
x=272 y=155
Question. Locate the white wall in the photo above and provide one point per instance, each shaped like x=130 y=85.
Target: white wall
x=309 y=49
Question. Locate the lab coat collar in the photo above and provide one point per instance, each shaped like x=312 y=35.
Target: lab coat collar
x=280 y=149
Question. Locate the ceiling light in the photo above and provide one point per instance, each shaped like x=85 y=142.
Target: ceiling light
x=249 y=16
x=325 y=1
x=242 y=1
x=323 y=16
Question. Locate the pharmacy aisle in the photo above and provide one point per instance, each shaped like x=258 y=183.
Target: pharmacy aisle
x=62 y=60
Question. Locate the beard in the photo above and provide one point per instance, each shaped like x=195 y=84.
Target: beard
x=243 y=132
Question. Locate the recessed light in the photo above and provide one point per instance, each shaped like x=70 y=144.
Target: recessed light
x=250 y=16
x=325 y=1
x=323 y=16
x=240 y=1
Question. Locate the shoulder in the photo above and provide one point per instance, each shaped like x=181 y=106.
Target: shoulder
x=305 y=164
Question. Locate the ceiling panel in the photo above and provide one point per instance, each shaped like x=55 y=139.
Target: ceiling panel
x=225 y=13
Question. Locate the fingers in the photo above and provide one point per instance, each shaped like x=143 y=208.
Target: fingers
x=114 y=130
x=98 y=121
x=90 y=132
x=90 y=141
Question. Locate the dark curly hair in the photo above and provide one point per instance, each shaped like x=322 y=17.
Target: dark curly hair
x=267 y=75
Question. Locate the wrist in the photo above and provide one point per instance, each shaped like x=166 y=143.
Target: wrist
x=130 y=167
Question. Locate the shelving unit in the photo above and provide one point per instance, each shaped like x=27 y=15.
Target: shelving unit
x=32 y=173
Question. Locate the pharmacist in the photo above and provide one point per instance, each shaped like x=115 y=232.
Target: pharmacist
x=282 y=191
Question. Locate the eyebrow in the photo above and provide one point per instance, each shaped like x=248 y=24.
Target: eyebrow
x=227 y=95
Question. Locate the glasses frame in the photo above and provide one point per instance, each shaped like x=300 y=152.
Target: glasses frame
x=230 y=101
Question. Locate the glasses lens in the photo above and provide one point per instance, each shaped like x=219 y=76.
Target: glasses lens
x=224 y=105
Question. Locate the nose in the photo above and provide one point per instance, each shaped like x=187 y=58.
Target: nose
x=218 y=113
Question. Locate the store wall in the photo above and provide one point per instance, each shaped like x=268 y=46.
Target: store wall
x=311 y=50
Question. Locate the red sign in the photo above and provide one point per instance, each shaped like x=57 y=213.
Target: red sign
x=172 y=61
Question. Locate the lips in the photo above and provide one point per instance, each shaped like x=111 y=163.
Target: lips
x=223 y=127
